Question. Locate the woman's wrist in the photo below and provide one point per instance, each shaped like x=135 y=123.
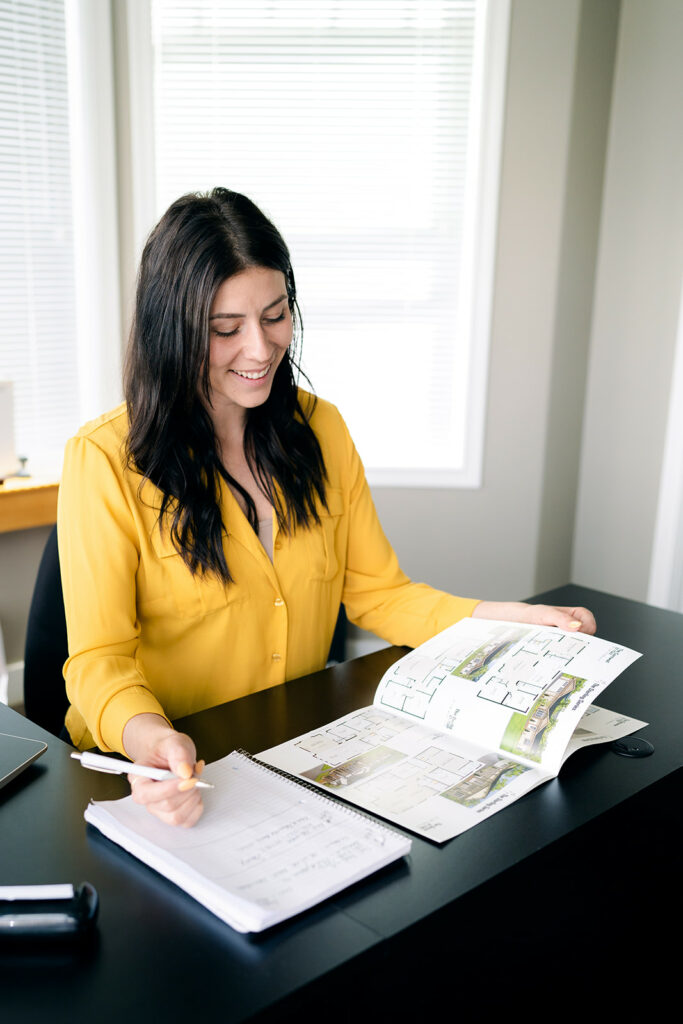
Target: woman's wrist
x=508 y=611
x=142 y=733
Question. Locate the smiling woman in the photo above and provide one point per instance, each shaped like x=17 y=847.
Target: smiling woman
x=210 y=528
x=247 y=347
x=216 y=300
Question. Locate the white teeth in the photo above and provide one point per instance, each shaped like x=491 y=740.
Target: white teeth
x=252 y=376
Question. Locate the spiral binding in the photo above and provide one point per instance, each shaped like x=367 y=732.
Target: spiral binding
x=337 y=802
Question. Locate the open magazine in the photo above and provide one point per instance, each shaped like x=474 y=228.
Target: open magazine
x=469 y=722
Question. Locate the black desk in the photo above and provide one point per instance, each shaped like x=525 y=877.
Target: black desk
x=535 y=901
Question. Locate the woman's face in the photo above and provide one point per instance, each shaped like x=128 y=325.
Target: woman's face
x=250 y=326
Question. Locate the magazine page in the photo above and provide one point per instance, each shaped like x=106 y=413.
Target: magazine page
x=505 y=686
x=424 y=780
x=598 y=725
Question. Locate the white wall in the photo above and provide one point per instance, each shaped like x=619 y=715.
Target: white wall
x=20 y=555
x=638 y=290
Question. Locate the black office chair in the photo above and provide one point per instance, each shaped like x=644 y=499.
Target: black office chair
x=46 y=649
x=338 y=646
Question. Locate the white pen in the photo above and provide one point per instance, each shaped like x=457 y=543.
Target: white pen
x=100 y=763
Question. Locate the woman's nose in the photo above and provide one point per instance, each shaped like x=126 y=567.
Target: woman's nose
x=256 y=345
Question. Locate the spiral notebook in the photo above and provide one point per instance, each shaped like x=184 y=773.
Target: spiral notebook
x=266 y=848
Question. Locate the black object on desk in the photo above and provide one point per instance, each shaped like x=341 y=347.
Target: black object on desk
x=525 y=907
x=37 y=914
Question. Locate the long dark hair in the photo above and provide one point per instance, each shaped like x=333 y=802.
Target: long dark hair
x=201 y=240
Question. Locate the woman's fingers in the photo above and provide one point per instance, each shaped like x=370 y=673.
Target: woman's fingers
x=585 y=617
x=173 y=801
x=579 y=620
x=176 y=751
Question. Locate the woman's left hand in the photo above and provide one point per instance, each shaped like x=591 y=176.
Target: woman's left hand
x=574 y=620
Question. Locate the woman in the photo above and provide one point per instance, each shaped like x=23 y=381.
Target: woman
x=210 y=527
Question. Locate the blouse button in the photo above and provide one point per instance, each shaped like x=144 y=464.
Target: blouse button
x=276 y=657
x=278 y=602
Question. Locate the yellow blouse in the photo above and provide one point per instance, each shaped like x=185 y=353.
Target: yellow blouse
x=145 y=635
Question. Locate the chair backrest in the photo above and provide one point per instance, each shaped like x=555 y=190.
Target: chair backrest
x=46 y=650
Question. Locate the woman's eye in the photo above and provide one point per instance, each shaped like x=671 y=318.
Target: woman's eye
x=274 y=319
x=226 y=334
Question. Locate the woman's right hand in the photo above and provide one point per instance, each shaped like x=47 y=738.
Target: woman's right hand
x=149 y=739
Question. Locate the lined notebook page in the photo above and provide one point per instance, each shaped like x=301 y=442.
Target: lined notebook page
x=265 y=848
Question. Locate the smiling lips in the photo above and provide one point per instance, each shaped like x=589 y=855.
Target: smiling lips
x=252 y=375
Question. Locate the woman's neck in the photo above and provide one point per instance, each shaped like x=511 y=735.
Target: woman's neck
x=229 y=429
x=228 y=425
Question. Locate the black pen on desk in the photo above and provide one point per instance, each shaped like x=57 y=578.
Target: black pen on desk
x=114 y=766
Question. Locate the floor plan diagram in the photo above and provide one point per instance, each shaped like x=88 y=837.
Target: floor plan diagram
x=517 y=676
x=341 y=741
x=413 y=690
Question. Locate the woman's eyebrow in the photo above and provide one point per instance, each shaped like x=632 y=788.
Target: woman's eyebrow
x=274 y=303
x=237 y=316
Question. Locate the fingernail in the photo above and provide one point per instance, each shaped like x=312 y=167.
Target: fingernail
x=199 y=767
x=184 y=770
x=187 y=784
x=574 y=624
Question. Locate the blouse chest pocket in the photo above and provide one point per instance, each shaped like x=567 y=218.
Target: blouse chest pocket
x=165 y=584
x=323 y=544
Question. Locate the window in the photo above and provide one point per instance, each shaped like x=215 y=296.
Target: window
x=61 y=340
x=38 y=345
x=369 y=134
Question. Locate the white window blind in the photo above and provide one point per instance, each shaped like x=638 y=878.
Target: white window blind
x=38 y=346
x=61 y=339
x=357 y=127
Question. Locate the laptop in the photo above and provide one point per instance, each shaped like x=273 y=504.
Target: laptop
x=17 y=753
